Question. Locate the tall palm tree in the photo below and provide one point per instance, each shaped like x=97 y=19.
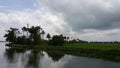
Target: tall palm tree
x=11 y=35
x=43 y=33
x=48 y=36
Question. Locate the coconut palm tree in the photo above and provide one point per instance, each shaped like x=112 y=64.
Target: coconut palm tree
x=43 y=33
x=48 y=36
x=11 y=35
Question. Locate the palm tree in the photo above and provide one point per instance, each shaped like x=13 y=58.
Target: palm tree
x=25 y=29
x=11 y=35
x=35 y=34
x=67 y=38
x=43 y=33
x=48 y=36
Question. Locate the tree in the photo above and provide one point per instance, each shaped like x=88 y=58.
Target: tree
x=57 y=40
x=35 y=34
x=43 y=33
x=48 y=36
x=11 y=35
x=68 y=39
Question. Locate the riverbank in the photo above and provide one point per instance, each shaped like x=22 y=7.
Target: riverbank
x=95 y=50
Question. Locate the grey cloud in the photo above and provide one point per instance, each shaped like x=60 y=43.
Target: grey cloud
x=87 y=14
x=70 y=17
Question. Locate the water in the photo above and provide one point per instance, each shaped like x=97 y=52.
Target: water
x=12 y=58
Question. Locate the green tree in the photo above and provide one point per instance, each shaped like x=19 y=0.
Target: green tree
x=57 y=40
x=43 y=33
x=48 y=36
x=35 y=34
x=11 y=35
x=23 y=30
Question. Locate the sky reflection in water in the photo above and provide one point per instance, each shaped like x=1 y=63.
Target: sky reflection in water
x=16 y=58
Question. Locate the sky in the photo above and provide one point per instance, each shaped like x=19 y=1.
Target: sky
x=90 y=20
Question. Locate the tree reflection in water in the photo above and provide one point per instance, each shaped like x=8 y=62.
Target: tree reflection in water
x=30 y=58
x=12 y=54
x=34 y=58
x=56 y=56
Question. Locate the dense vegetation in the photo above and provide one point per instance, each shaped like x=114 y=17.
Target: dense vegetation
x=33 y=38
x=34 y=35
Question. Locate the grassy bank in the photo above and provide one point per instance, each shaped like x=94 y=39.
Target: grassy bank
x=74 y=46
x=103 y=51
x=83 y=46
x=95 y=50
x=95 y=46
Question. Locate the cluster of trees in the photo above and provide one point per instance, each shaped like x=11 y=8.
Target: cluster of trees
x=56 y=39
x=33 y=36
x=60 y=40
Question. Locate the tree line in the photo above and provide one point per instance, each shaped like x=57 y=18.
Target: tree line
x=34 y=35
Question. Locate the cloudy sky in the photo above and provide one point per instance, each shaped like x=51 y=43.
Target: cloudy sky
x=91 y=20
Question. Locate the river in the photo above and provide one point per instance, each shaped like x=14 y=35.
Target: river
x=14 y=58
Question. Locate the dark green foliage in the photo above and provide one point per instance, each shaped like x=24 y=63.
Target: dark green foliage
x=77 y=41
x=33 y=36
x=11 y=35
x=48 y=36
x=57 y=40
x=21 y=40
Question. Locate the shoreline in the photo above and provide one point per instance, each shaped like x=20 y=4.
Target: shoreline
x=111 y=55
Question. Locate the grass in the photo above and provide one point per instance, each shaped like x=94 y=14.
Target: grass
x=97 y=50
x=83 y=46
x=95 y=46
x=75 y=47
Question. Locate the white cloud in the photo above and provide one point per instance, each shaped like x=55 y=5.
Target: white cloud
x=100 y=35
x=101 y=16
x=87 y=20
x=50 y=22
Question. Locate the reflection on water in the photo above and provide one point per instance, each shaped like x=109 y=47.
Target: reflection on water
x=56 y=56
x=32 y=58
x=21 y=58
x=12 y=54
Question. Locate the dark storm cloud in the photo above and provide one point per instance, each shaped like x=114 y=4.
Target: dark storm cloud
x=87 y=14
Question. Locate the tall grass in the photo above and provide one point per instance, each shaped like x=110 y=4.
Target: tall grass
x=95 y=46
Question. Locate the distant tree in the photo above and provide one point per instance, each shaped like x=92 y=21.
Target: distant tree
x=67 y=38
x=43 y=33
x=21 y=40
x=48 y=36
x=11 y=35
x=57 y=40
x=35 y=34
x=24 y=29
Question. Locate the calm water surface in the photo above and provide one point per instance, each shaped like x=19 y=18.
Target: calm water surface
x=12 y=58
